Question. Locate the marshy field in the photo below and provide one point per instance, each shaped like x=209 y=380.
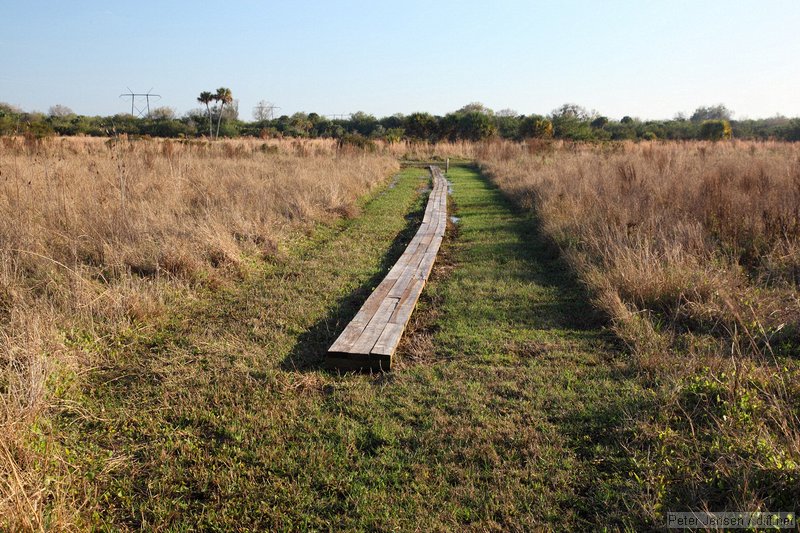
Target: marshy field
x=611 y=332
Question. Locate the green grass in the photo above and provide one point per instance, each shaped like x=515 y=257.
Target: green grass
x=222 y=418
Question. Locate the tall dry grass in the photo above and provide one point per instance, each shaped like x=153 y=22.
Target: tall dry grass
x=96 y=234
x=693 y=251
x=427 y=151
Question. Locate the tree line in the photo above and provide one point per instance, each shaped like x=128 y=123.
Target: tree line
x=472 y=122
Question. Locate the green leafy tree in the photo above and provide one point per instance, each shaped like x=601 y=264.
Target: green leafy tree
x=300 y=125
x=508 y=123
x=363 y=123
x=571 y=121
x=395 y=121
x=714 y=112
x=476 y=126
x=422 y=126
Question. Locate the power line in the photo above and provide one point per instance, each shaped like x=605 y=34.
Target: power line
x=140 y=109
x=265 y=109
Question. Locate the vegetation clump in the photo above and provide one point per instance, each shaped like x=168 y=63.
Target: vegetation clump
x=716 y=130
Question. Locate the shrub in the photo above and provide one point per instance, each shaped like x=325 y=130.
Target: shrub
x=716 y=130
x=791 y=131
x=536 y=127
x=354 y=140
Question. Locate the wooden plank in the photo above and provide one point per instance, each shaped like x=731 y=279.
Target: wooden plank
x=389 y=339
x=406 y=304
x=360 y=363
x=370 y=335
x=371 y=338
x=356 y=326
x=427 y=265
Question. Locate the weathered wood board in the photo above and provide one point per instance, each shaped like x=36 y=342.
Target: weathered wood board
x=371 y=338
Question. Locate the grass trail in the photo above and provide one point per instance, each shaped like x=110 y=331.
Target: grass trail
x=511 y=418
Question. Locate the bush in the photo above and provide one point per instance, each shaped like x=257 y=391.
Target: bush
x=715 y=130
x=355 y=140
x=791 y=132
x=475 y=127
x=536 y=127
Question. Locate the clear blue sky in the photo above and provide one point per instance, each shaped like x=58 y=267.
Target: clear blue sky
x=649 y=59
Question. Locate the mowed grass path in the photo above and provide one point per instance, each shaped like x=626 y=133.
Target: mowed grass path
x=222 y=418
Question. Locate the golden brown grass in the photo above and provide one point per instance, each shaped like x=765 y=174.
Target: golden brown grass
x=99 y=234
x=693 y=250
x=426 y=151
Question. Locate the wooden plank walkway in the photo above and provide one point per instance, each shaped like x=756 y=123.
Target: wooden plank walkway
x=371 y=338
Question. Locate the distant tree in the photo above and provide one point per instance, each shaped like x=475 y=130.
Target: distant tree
x=395 y=121
x=507 y=123
x=475 y=107
x=475 y=126
x=223 y=96
x=394 y=135
x=715 y=112
x=231 y=112
x=626 y=120
x=621 y=130
x=715 y=130
x=570 y=111
x=680 y=130
x=421 y=126
x=60 y=111
x=8 y=109
x=507 y=112
x=38 y=129
x=537 y=127
x=206 y=98
x=599 y=122
x=300 y=124
x=571 y=121
x=262 y=111
x=163 y=113
x=791 y=132
x=363 y=123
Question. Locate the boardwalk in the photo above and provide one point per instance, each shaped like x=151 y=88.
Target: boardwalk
x=371 y=338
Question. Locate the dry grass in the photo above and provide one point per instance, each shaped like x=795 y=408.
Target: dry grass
x=693 y=250
x=100 y=234
x=426 y=151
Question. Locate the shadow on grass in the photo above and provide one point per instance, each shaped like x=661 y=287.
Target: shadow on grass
x=569 y=303
x=309 y=352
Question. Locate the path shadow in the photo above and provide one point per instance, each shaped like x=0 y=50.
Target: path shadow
x=309 y=352
x=569 y=304
x=597 y=430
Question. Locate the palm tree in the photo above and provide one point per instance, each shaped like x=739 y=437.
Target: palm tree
x=206 y=98
x=223 y=96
